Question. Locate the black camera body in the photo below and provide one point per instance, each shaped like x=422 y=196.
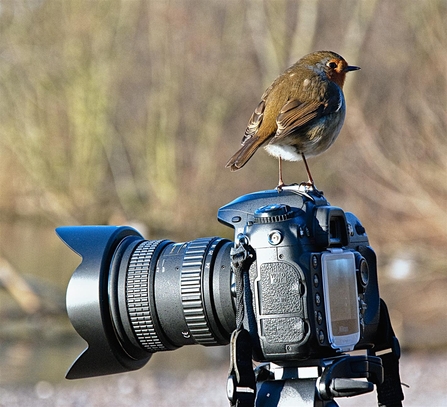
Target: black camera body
x=312 y=291
x=313 y=284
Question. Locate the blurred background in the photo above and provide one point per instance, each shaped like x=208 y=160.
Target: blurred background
x=126 y=111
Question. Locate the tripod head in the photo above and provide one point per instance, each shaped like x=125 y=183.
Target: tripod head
x=298 y=386
x=315 y=383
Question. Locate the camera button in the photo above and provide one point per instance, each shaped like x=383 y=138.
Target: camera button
x=317 y=299
x=275 y=237
x=360 y=229
x=321 y=336
x=316 y=281
x=319 y=318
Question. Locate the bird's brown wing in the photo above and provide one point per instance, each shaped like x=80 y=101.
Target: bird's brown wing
x=255 y=122
x=251 y=140
x=296 y=114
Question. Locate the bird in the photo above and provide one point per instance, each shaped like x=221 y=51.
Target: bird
x=300 y=114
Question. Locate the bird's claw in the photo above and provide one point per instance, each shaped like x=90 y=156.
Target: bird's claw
x=280 y=186
x=305 y=187
x=310 y=186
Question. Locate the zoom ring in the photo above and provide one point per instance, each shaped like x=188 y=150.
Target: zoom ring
x=137 y=297
x=191 y=291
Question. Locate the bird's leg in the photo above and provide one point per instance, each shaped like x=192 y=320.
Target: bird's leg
x=310 y=183
x=311 y=180
x=280 y=181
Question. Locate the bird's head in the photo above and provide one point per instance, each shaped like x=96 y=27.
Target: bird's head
x=331 y=64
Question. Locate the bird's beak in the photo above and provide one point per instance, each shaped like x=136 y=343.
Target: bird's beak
x=351 y=68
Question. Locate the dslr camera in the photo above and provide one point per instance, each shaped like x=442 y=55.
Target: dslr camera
x=307 y=286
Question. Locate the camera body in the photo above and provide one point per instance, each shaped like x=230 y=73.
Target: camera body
x=313 y=284
x=312 y=290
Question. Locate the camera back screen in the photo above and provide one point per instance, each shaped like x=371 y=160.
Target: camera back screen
x=341 y=299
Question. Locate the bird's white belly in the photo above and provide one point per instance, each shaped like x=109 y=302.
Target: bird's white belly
x=287 y=153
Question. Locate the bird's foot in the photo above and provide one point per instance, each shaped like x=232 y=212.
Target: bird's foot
x=310 y=186
x=280 y=187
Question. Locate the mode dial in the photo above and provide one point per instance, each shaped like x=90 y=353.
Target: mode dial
x=272 y=213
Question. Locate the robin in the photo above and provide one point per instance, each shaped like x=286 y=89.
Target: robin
x=300 y=114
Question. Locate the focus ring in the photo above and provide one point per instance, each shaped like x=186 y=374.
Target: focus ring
x=138 y=296
x=191 y=291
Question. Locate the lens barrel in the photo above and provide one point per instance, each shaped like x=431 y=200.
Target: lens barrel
x=132 y=297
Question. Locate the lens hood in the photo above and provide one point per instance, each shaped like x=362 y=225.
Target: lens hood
x=88 y=304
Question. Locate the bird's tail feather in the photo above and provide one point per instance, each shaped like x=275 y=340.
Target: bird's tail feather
x=241 y=157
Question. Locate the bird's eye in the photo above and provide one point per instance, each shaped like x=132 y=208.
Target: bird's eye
x=332 y=64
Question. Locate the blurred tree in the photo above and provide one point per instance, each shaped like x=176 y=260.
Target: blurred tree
x=119 y=110
x=397 y=126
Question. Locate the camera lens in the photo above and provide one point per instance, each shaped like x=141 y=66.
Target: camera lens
x=132 y=297
x=164 y=296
